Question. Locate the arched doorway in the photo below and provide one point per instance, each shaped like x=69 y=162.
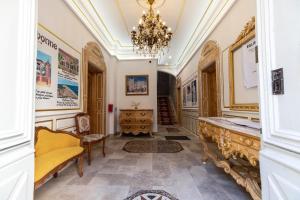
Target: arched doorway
x=209 y=80
x=94 y=87
x=166 y=98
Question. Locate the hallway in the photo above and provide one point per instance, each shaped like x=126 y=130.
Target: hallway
x=121 y=174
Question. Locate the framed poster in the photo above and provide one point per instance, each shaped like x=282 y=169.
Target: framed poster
x=243 y=71
x=137 y=85
x=57 y=74
x=190 y=95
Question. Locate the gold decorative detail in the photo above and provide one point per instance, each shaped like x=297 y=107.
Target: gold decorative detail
x=156 y=6
x=235 y=146
x=246 y=35
x=152 y=36
x=249 y=27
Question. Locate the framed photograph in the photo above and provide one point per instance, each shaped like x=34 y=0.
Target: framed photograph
x=137 y=85
x=189 y=93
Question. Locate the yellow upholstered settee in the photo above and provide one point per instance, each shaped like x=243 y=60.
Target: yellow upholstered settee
x=53 y=150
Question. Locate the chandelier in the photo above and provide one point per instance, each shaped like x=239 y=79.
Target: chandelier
x=152 y=36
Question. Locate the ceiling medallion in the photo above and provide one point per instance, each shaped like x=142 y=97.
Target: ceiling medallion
x=152 y=36
x=156 y=5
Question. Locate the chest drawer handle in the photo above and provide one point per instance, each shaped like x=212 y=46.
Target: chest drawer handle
x=143 y=120
x=143 y=114
x=143 y=127
x=128 y=114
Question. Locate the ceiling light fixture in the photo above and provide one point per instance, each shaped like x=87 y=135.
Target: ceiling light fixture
x=152 y=36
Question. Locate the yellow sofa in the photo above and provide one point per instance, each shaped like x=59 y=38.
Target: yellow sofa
x=53 y=150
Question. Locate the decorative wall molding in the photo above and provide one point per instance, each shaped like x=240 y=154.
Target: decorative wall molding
x=275 y=132
x=213 y=16
x=283 y=180
x=189 y=120
x=88 y=15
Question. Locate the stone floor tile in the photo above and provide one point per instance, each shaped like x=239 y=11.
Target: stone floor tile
x=120 y=174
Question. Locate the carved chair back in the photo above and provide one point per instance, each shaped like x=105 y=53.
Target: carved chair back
x=83 y=125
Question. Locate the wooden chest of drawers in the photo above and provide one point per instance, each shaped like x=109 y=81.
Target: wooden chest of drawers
x=136 y=121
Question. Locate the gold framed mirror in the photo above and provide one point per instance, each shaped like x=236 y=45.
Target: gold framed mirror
x=243 y=77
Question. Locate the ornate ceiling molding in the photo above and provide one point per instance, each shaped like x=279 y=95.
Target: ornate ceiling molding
x=216 y=12
x=89 y=16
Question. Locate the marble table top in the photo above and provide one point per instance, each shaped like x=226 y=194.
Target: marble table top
x=235 y=124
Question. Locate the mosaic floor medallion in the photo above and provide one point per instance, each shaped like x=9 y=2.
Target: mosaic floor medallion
x=151 y=195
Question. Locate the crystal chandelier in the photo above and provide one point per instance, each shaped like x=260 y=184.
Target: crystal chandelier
x=152 y=36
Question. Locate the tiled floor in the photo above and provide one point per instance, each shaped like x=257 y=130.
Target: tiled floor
x=121 y=174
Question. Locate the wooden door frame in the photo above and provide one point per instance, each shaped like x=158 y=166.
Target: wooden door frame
x=178 y=101
x=210 y=55
x=93 y=54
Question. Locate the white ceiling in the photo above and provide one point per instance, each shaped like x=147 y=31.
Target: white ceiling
x=112 y=20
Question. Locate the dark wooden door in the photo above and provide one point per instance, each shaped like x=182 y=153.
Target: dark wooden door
x=95 y=102
x=209 y=92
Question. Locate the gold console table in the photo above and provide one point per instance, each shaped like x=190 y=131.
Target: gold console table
x=235 y=148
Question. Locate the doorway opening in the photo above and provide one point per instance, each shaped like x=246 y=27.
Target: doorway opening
x=178 y=100
x=95 y=98
x=94 y=87
x=166 y=98
x=209 y=91
x=209 y=82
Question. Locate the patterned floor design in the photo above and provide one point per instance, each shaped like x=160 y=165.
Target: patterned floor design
x=151 y=195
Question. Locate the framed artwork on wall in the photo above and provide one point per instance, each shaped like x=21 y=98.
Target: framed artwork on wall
x=243 y=72
x=137 y=85
x=189 y=93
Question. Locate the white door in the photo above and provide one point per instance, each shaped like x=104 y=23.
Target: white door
x=278 y=31
x=17 y=79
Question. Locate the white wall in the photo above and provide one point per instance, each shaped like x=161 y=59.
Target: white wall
x=59 y=19
x=225 y=34
x=137 y=67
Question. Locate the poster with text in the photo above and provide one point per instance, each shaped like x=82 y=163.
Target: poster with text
x=250 y=64
x=57 y=74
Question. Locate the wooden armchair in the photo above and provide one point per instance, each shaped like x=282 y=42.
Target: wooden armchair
x=89 y=139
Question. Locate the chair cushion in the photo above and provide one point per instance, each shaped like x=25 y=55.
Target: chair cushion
x=92 y=137
x=48 y=141
x=48 y=161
